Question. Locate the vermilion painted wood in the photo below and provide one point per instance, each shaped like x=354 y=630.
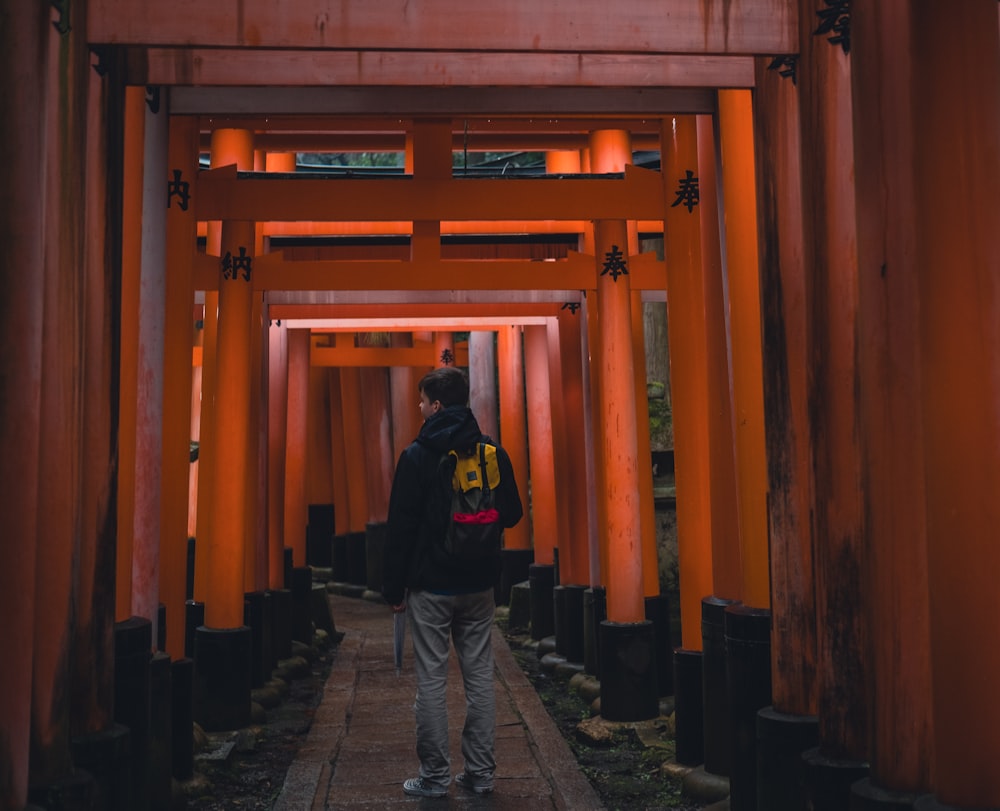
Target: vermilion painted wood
x=831 y=263
x=319 y=470
x=683 y=26
x=736 y=148
x=636 y=196
x=355 y=449
x=386 y=68
x=514 y=423
x=381 y=463
x=574 y=553
x=538 y=397
x=277 y=424
x=885 y=119
x=339 y=462
x=955 y=63
x=689 y=390
x=621 y=531
x=417 y=357
x=296 y=447
x=727 y=574
x=785 y=296
x=132 y=159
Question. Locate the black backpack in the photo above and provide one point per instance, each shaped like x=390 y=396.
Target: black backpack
x=473 y=529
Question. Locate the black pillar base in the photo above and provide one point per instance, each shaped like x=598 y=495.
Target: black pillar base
x=628 y=671
x=595 y=611
x=375 y=537
x=929 y=803
x=781 y=740
x=288 y=566
x=828 y=781
x=194 y=617
x=302 y=626
x=319 y=547
x=339 y=567
x=866 y=796
x=718 y=743
x=253 y=618
x=514 y=565
x=748 y=672
x=222 y=678
x=541 y=578
x=133 y=652
x=574 y=623
x=182 y=711
x=161 y=730
x=658 y=613
x=106 y=756
x=73 y=792
x=689 y=722
x=357 y=565
x=559 y=619
x=281 y=630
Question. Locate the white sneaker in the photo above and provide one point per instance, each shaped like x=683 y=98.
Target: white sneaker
x=418 y=787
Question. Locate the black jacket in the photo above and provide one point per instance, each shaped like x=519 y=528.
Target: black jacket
x=416 y=519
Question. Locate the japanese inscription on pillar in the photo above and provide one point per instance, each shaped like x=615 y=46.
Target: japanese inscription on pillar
x=572 y=306
x=835 y=20
x=614 y=263
x=180 y=189
x=233 y=267
x=787 y=67
x=447 y=358
x=687 y=192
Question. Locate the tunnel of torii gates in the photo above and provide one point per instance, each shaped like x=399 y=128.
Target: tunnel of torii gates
x=831 y=293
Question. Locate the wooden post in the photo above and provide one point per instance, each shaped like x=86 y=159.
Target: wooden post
x=354 y=449
x=277 y=423
x=689 y=369
x=829 y=229
x=482 y=381
x=737 y=152
x=544 y=520
x=513 y=422
x=727 y=551
x=296 y=445
x=956 y=53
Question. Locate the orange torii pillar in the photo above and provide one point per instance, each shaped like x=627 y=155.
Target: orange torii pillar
x=690 y=372
x=958 y=272
x=517 y=551
x=403 y=390
x=341 y=470
x=595 y=598
x=841 y=545
x=789 y=726
x=886 y=118
x=748 y=625
x=657 y=605
x=349 y=550
x=366 y=562
x=628 y=680
x=21 y=366
x=444 y=349
x=570 y=434
x=544 y=521
x=319 y=492
x=482 y=381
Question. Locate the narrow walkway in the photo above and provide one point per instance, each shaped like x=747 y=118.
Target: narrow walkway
x=361 y=746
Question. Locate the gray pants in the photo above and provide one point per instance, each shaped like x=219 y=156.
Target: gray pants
x=468 y=619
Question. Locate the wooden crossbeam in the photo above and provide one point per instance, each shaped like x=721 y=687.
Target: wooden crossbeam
x=577 y=272
x=636 y=26
x=222 y=195
x=295 y=68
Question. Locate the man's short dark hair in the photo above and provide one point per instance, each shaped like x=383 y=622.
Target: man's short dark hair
x=449 y=384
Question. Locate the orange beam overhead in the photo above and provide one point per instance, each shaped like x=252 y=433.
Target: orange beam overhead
x=638 y=26
x=577 y=272
x=382 y=356
x=379 y=68
x=222 y=195
x=507 y=312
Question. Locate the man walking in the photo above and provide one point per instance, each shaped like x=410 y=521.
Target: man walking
x=447 y=597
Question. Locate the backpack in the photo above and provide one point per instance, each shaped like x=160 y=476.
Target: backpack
x=473 y=527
